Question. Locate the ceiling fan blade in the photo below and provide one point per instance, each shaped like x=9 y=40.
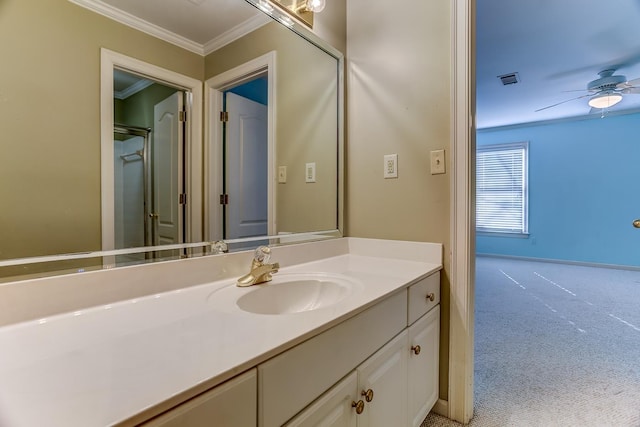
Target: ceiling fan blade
x=563 y=102
x=600 y=111
x=628 y=84
x=631 y=90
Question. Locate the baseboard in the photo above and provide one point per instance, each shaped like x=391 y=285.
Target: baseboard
x=562 y=261
x=441 y=408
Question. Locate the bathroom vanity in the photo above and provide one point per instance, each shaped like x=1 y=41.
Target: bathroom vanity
x=347 y=330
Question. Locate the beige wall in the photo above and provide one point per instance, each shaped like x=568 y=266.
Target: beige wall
x=398 y=68
x=305 y=131
x=331 y=24
x=50 y=120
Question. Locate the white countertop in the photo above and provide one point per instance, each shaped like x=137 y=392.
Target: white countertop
x=104 y=365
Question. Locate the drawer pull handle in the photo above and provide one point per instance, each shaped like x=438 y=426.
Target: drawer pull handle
x=416 y=349
x=368 y=395
x=359 y=405
x=431 y=296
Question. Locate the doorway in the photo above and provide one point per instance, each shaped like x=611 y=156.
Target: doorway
x=245 y=160
x=241 y=151
x=168 y=104
x=149 y=152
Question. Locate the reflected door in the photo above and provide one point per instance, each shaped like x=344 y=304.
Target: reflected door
x=168 y=170
x=246 y=168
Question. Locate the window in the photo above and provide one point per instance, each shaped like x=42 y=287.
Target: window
x=501 y=188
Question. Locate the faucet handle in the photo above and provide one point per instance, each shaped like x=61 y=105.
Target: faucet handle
x=262 y=254
x=219 y=247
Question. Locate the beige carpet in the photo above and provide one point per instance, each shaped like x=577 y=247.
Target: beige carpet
x=556 y=345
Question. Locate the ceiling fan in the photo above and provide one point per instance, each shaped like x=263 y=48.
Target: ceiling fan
x=606 y=91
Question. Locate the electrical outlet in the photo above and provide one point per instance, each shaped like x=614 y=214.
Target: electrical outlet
x=282 y=174
x=437 y=162
x=310 y=172
x=390 y=166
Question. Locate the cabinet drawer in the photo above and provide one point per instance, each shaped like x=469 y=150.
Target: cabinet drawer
x=292 y=380
x=233 y=403
x=420 y=295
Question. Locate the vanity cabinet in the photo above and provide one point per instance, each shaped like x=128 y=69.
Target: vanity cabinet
x=401 y=377
x=378 y=368
x=292 y=380
x=233 y=403
x=374 y=394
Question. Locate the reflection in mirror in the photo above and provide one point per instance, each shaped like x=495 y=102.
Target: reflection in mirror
x=148 y=173
x=51 y=120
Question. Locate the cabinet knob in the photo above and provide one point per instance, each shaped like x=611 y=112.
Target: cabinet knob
x=416 y=349
x=636 y=223
x=431 y=296
x=368 y=395
x=359 y=405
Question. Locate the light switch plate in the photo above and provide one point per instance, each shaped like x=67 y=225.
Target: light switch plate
x=310 y=172
x=390 y=166
x=282 y=174
x=437 y=162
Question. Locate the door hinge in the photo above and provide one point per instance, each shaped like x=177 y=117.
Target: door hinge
x=224 y=116
x=224 y=199
x=183 y=116
x=183 y=199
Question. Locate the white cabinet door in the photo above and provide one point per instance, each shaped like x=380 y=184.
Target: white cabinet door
x=424 y=366
x=233 y=403
x=385 y=373
x=333 y=409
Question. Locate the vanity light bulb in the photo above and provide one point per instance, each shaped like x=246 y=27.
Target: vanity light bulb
x=315 y=5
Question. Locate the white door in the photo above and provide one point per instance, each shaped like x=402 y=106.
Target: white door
x=424 y=366
x=385 y=373
x=167 y=149
x=246 y=168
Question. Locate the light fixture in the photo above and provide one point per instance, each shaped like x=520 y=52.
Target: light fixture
x=315 y=6
x=605 y=99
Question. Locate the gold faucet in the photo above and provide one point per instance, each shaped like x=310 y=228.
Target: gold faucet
x=260 y=270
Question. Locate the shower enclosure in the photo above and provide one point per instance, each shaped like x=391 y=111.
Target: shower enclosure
x=134 y=225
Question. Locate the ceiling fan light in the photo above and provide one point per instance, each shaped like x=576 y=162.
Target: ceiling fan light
x=605 y=100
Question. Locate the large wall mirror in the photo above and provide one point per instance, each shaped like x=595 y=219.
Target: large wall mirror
x=52 y=167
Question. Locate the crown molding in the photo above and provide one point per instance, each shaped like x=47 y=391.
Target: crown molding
x=133 y=89
x=236 y=32
x=590 y=116
x=140 y=24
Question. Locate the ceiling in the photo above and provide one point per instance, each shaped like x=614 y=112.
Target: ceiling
x=556 y=47
x=200 y=21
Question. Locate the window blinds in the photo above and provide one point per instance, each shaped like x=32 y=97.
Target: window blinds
x=501 y=188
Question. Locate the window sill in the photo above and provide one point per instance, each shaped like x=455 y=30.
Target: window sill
x=502 y=234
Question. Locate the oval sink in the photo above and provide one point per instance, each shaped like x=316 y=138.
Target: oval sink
x=287 y=294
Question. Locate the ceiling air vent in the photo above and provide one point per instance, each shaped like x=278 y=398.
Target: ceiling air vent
x=509 y=79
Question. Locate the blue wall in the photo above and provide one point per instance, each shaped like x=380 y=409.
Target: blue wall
x=584 y=191
x=255 y=90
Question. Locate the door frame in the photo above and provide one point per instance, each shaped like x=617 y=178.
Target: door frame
x=459 y=406
x=213 y=155
x=109 y=60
